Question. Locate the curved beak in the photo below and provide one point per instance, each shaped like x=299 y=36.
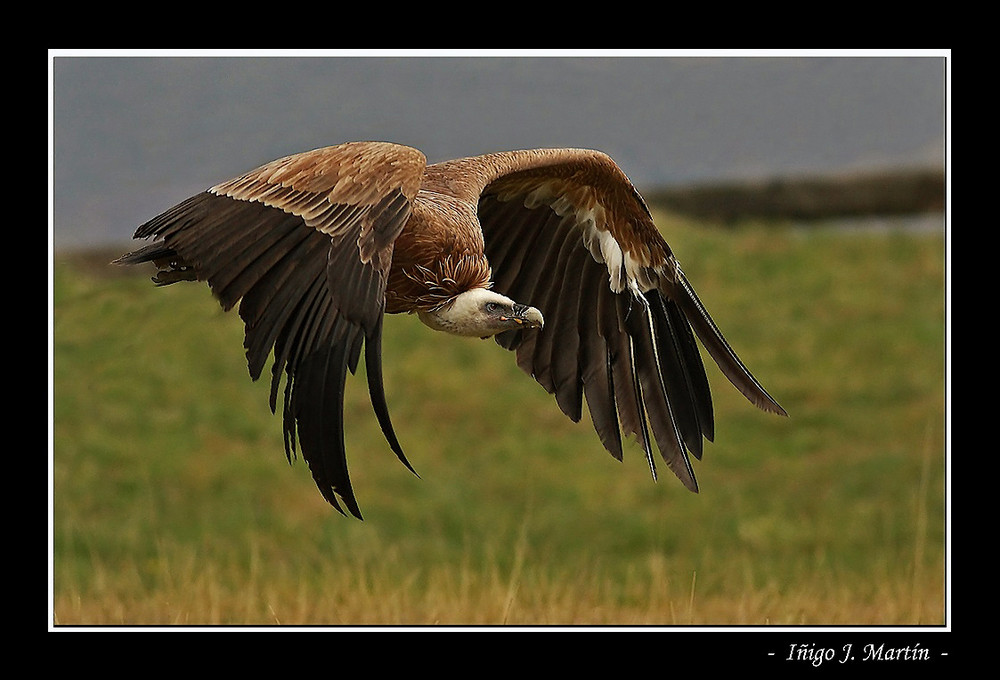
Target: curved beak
x=526 y=316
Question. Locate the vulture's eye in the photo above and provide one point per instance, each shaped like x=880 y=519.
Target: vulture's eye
x=492 y=307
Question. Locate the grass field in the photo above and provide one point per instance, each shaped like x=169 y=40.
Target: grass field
x=173 y=502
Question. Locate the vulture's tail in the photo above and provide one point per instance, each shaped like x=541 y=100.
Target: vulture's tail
x=172 y=267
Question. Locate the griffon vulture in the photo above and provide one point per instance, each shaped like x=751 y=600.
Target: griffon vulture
x=552 y=252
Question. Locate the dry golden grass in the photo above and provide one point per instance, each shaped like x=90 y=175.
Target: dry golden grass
x=181 y=588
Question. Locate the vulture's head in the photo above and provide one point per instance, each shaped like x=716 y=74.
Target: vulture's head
x=481 y=313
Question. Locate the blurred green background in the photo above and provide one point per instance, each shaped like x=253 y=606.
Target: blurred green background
x=173 y=502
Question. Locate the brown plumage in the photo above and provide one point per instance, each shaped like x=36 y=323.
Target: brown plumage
x=316 y=247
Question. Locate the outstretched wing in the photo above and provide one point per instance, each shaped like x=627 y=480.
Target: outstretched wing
x=303 y=244
x=566 y=232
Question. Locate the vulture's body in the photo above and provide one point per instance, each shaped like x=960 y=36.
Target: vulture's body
x=551 y=251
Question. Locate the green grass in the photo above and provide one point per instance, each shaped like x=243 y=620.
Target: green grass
x=173 y=502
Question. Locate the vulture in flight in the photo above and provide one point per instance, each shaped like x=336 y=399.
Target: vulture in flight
x=552 y=252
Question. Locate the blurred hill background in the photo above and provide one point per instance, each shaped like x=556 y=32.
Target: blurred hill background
x=133 y=135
